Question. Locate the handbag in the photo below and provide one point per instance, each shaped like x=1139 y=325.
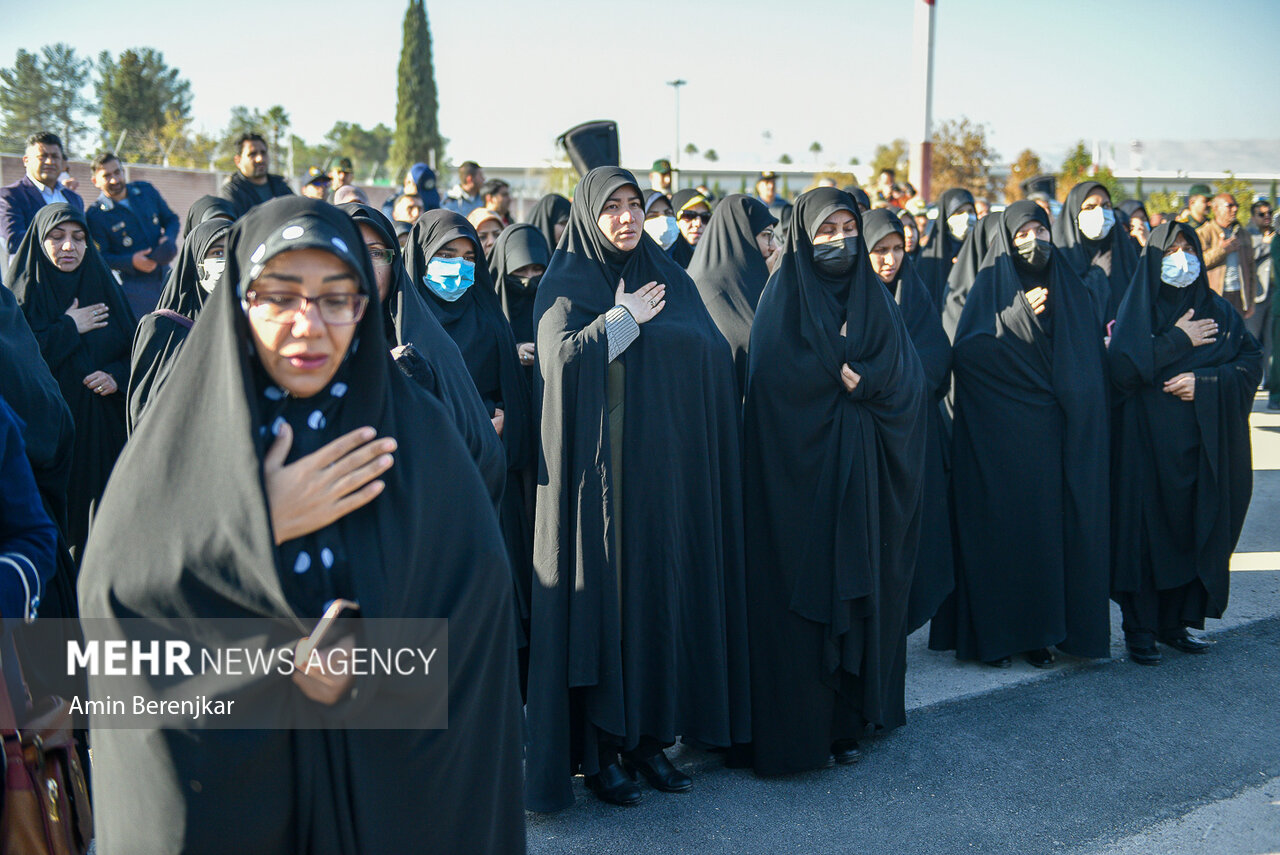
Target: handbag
x=46 y=801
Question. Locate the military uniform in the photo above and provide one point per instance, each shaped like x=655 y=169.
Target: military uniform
x=141 y=221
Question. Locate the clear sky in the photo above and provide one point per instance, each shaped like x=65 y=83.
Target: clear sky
x=512 y=74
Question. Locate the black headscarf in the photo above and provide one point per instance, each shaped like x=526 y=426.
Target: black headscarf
x=940 y=253
x=971 y=258
x=45 y=293
x=551 y=209
x=934 y=576
x=1126 y=209
x=435 y=362
x=160 y=336
x=860 y=196
x=833 y=485
x=1029 y=464
x=207 y=208
x=184 y=530
x=903 y=216
x=1105 y=265
x=676 y=660
x=518 y=246
x=1183 y=471
x=731 y=273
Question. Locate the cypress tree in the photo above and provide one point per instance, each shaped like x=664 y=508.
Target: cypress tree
x=417 y=135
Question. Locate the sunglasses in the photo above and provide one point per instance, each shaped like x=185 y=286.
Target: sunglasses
x=690 y=216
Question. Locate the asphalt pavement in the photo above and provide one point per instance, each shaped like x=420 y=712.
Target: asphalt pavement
x=1097 y=757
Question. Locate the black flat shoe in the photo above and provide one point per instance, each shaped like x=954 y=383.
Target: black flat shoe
x=1003 y=662
x=614 y=786
x=845 y=751
x=1147 y=655
x=662 y=774
x=1186 y=643
x=1042 y=658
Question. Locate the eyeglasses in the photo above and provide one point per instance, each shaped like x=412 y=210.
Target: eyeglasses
x=282 y=307
x=382 y=257
x=690 y=216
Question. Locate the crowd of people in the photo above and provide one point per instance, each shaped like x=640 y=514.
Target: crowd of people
x=674 y=467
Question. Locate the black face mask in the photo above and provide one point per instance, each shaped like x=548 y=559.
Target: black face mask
x=1035 y=253
x=525 y=283
x=835 y=258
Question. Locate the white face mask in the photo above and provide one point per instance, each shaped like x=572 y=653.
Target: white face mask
x=1096 y=223
x=211 y=271
x=961 y=223
x=663 y=230
x=1179 y=269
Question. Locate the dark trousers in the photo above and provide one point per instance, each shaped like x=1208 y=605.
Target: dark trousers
x=1149 y=612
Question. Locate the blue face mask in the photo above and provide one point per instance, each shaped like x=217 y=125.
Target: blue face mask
x=449 y=278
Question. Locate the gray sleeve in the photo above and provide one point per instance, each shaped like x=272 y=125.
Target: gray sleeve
x=621 y=329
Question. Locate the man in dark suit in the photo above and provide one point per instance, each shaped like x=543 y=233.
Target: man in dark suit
x=135 y=231
x=251 y=184
x=44 y=159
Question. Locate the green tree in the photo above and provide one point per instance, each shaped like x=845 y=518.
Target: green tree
x=1026 y=165
x=892 y=156
x=66 y=74
x=276 y=121
x=785 y=159
x=368 y=149
x=690 y=149
x=417 y=134
x=305 y=155
x=1107 y=178
x=815 y=149
x=23 y=100
x=1240 y=190
x=1075 y=168
x=140 y=95
x=962 y=157
x=710 y=154
x=1164 y=202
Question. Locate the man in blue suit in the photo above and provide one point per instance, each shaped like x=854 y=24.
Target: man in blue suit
x=19 y=201
x=135 y=231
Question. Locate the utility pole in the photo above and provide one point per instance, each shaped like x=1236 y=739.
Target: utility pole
x=922 y=59
x=675 y=85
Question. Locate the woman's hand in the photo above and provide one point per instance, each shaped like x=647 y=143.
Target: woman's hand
x=101 y=383
x=1182 y=386
x=89 y=318
x=524 y=350
x=313 y=676
x=327 y=484
x=1200 y=332
x=1037 y=297
x=499 y=419
x=643 y=304
x=849 y=378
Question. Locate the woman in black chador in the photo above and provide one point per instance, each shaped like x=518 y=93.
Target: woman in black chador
x=1097 y=247
x=1184 y=369
x=835 y=431
x=956 y=219
x=85 y=329
x=306 y=467
x=639 y=625
x=1029 y=457
x=730 y=267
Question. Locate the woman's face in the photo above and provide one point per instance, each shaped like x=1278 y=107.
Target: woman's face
x=464 y=248
x=767 y=241
x=1034 y=229
x=558 y=229
x=218 y=249
x=302 y=353
x=692 y=221
x=1099 y=198
x=622 y=218
x=65 y=245
x=886 y=256
x=912 y=235
x=528 y=271
x=659 y=208
x=1180 y=244
x=378 y=252
x=841 y=224
x=966 y=208
x=488 y=232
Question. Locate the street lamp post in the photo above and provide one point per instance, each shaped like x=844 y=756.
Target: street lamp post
x=675 y=85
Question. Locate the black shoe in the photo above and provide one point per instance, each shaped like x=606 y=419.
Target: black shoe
x=1185 y=642
x=1144 y=655
x=845 y=751
x=1042 y=658
x=1002 y=662
x=662 y=774
x=614 y=786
